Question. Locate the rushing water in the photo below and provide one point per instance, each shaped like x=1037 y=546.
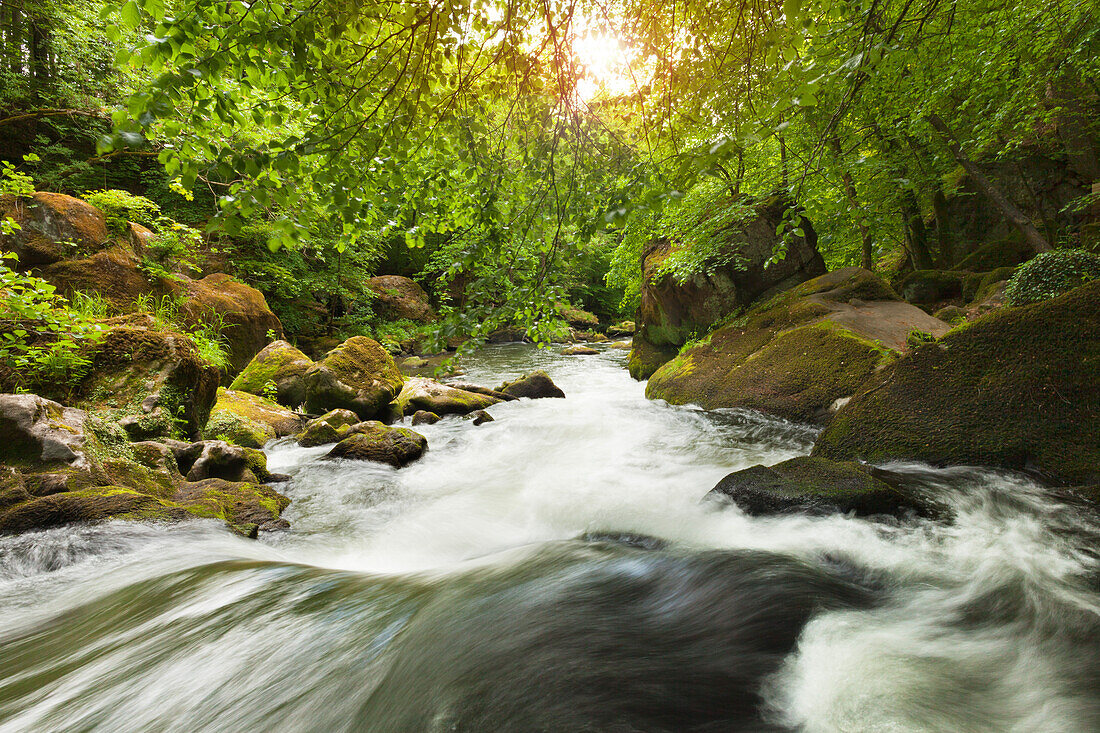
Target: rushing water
x=555 y=570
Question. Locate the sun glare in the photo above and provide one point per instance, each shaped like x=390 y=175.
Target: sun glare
x=606 y=66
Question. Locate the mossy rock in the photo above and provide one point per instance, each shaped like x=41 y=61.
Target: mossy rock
x=927 y=287
x=249 y=420
x=328 y=428
x=806 y=485
x=577 y=317
x=278 y=366
x=579 y=351
x=533 y=385
x=397 y=297
x=1018 y=388
x=89 y=505
x=1008 y=252
x=237 y=503
x=358 y=375
x=980 y=285
x=53 y=227
x=952 y=314
x=421 y=393
x=373 y=441
x=645 y=358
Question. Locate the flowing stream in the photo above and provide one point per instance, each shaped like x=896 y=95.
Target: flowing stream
x=555 y=570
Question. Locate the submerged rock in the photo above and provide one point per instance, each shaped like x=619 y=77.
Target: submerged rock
x=329 y=428
x=278 y=366
x=819 y=486
x=534 y=385
x=481 y=417
x=421 y=393
x=358 y=375
x=1018 y=388
x=373 y=441
x=798 y=353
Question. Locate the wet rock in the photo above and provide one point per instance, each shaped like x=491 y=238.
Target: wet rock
x=478 y=389
x=423 y=417
x=329 y=428
x=621 y=345
x=48 y=223
x=807 y=485
x=218 y=459
x=358 y=375
x=278 y=366
x=373 y=441
x=1018 y=388
x=397 y=298
x=420 y=393
x=481 y=417
x=579 y=351
x=798 y=353
x=645 y=358
x=534 y=385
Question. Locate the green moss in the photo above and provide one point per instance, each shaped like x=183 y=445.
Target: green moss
x=280 y=364
x=233 y=428
x=645 y=358
x=925 y=287
x=1050 y=274
x=1017 y=388
x=1007 y=252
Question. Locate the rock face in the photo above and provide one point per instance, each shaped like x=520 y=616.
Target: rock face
x=249 y=420
x=156 y=377
x=49 y=223
x=41 y=432
x=798 y=353
x=357 y=375
x=807 y=485
x=242 y=309
x=329 y=428
x=281 y=365
x=420 y=393
x=672 y=313
x=373 y=441
x=1018 y=388
x=399 y=298
x=534 y=385
x=63 y=466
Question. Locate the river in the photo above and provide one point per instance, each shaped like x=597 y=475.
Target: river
x=555 y=570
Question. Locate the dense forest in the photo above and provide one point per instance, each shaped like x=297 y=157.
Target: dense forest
x=646 y=366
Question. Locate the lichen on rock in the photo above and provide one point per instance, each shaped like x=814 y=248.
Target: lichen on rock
x=358 y=375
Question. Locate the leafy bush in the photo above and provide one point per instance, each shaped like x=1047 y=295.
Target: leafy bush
x=917 y=338
x=120 y=207
x=1050 y=274
x=43 y=339
x=174 y=245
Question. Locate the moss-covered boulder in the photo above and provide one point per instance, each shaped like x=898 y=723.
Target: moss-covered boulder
x=645 y=358
x=279 y=367
x=247 y=322
x=534 y=385
x=373 y=441
x=1018 y=388
x=249 y=420
x=799 y=353
x=113 y=273
x=579 y=351
x=421 y=393
x=807 y=485
x=423 y=417
x=577 y=317
x=928 y=287
x=358 y=375
x=399 y=298
x=1000 y=253
x=154 y=376
x=624 y=328
x=53 y=227
x=328 y=428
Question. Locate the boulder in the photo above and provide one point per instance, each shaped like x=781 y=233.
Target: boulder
x=577 y=317
x=645 y=358
x=534 y=385
x=625 y=328
x=507 y=335
x=620 y=345
x=114 y=273
x=53 y=227
x=929 y=287
x=478 y=389
x=218 y=459
x=373 y=441
x=807 y=485
x=357 y=375
x=421 y=393
x=674 y=311
x=1018 y=388
x=279 y=367
x=423 y=417
x=399 y=298
x=481 y=417
x=579 y=351
x=155 y=377
x=1007 y=252
x=329 y=428
x=249 y=420
x=241 y=310
x=40 y=432
x=799 y=353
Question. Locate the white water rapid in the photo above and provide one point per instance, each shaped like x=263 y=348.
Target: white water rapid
x=555 y=570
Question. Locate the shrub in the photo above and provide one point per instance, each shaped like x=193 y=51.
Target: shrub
x=916 y=338
x=1050 y=274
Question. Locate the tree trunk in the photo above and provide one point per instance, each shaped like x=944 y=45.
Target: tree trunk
x=867 y=253
x=916 y=235
x=1019 y=220
x=943 y=230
